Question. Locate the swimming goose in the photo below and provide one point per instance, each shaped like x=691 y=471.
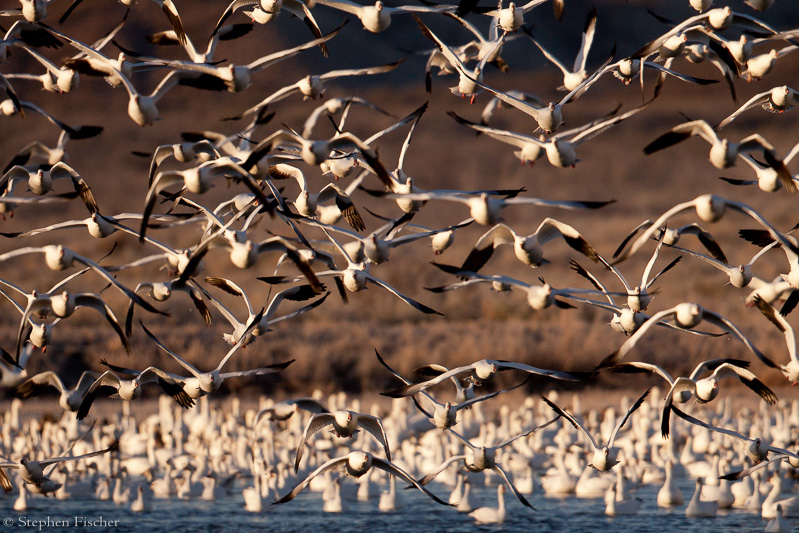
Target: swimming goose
x=69 y=399
x=358 y=463
x=686 y=315
x=491 y=515
x=605 y=457
x=669 y=494
x=709 y=208
x=696 y=507
x=779 y=524
x=577 y=74
x=345 y=424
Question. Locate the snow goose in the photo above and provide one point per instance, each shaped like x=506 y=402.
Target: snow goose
x=345 y=424
x=791 y=369
x=511 y=18
x=54 y=79
x=468 y=78
x=358 y=463
x=760 y=65
x=669 y=494
x=376 y=18
x=161 y=291
x=199 y=384
x=560 y=148
x=69 y=399
x=445 y=415
x=709 y=208
x=671 y=236
x=230 y=77
x=32 y=471
x=58 y=257
x=40 y=182
x=265 y=11
x=528 y=249
x=686 y=315
x=483 y=458
x=491 y=515
x=356 y=276
x=740 y=276
x=756 y=448
x=706 y=389
x=605 y=457
x=307 y=203
x=167 y=6
x=700 y=509
x=615 y=507
x=767 y=178
x=129 y=389
x=143 y=502
x=577 y=74
x=776 y=100
x=312 y=86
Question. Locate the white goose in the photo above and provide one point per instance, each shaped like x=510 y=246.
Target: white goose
x=700 y=509
x=491 y=515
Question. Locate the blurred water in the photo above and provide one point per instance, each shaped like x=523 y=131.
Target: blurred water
x=304 y=514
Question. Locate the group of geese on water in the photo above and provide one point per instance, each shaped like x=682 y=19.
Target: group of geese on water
x=285 y=448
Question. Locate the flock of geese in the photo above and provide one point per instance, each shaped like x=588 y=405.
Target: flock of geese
x=437 y=428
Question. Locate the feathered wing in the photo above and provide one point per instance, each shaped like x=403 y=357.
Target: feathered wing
x=333 y=463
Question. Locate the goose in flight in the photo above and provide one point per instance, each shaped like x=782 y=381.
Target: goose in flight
x=740 y=276
x=539 y=297
x=109 y=384
x=723 y=152
x=345 y=424
x=264 y=11
x=481 y=372
x=282 y=411
x=687 y=315
x=356 y=276
x=468 y=78
x=298 y=293
x=161 y=291
x=199 y=384
x=68 y=399
x=312 y=86
x=9 y=107
x=57 y=257
x=480 y=458
x=560 y=148
x=706 y=389
x=230 y=77
x=32 y=471
x=671 y=236
x=445 y=415
x=573 y=77
x=167 y=6
x=767 y=178
x=376 y=18
x=791 y=369
x=550 y=116
x=529 y=249
x=604 y=457
x=307 y=203
x=777 y=100
x=54 y=79
x=510 y=18
x=357 y=463
x=709 y=208
x=757 y=449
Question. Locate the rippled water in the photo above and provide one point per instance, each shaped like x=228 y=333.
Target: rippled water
x=304 y=514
